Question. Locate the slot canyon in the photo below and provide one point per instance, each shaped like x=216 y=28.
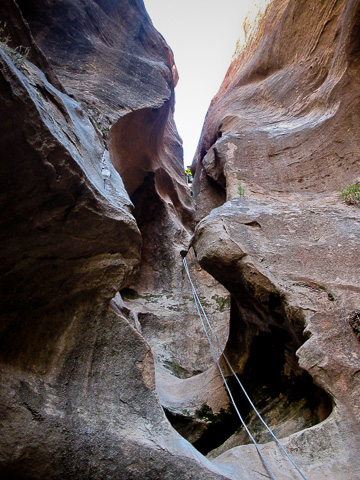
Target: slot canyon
x=106 y=372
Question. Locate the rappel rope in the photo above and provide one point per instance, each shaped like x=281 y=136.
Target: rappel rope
x=200 y=307
x=224 y=380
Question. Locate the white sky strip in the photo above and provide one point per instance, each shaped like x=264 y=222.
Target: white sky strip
x=202 y=35
x=201 y=314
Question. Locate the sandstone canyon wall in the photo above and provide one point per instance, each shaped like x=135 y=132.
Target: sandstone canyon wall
x=98 y=330
x=93 y=100
x=284 y=128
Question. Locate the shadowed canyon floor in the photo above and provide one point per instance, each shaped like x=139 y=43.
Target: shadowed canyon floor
x=102 y=351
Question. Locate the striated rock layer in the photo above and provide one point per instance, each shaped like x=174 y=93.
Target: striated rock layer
x=280 y=138
x=108 y=55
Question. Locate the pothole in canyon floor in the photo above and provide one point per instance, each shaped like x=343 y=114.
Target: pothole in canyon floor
x=284 y=394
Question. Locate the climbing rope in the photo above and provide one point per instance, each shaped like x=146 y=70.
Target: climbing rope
x=202 y=314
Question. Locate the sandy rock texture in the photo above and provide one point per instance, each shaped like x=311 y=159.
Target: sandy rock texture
x=284 y=127
x=288 y=101
x=108 y=55
x=77 y=396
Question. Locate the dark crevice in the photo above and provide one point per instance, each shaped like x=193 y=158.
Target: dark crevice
x=146 y=202
x=217 y=191
x=151 y=215
x=353 y=47
x=354 y=321
x=208 y=193
x=253 y=223
x=129 y=294
x=289 y=401
x=16 y=473
x=207 y=432
x=263 y=340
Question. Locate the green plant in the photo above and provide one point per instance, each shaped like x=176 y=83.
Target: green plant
x=19 y=55
x=176 y=369
x=330 y=296
x=103 y=129
x=188 y=172
x=351 y=194
x=223 y=302
x=241 y=190
x=206 y=414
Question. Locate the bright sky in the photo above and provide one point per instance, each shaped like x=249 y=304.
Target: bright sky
x=202 y=34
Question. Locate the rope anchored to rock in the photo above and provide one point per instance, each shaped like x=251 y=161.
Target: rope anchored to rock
x=207 y=325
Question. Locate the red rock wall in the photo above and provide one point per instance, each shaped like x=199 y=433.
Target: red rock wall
x=77 y=377
x=284 y=127
x=289 y=102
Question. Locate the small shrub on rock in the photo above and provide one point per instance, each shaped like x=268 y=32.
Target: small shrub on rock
x=241 y=190
x=4 y=38
x=351 y=194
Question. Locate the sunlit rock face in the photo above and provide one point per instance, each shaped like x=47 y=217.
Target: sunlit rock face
x=77 y=394
x=280 y=138
x=285 y=119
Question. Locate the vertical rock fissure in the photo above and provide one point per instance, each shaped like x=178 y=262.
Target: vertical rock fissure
x=283 y=392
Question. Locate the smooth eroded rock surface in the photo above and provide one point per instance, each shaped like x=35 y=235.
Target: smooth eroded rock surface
x=98 y=332
x=78 y=393
x=280 y=138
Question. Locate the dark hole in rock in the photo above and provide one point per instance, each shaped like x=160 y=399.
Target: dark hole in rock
x=254 y=223
x=150 y=214
x=146 y=201
x=208 y=431
x=288 y=401
x=16 y=473
x=129 y=294
x=284 y=394
x=209 y=194
x=217 y=191
x=354 y=39
x=29 y=8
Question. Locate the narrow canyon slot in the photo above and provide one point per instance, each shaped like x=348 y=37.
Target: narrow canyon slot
x=106 y=234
